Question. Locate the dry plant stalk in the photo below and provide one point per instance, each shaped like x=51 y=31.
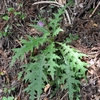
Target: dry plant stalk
x=57 y=5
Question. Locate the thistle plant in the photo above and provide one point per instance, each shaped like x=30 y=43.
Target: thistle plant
x=57 y=63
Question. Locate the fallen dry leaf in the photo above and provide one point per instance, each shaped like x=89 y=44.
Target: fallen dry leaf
x=46 y=88
x=45 y=99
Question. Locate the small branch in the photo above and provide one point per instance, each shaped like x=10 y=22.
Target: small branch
x=95 y=9
x=56 y=4
x=64 y=96
x=20 y=92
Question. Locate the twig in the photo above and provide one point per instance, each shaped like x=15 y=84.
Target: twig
x=3 y=25
x=20 y=92
x=95 y=9
x=64 y=96
x=19 y=28
x=56 y=4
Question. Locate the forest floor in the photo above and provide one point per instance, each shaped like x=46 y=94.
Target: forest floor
x=85 y=22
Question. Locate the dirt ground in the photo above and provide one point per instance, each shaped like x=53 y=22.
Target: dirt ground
x=85 y=22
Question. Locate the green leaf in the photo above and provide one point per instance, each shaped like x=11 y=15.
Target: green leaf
x=71 y=38
x=36 y=77
x=11 y=9
x=54 y=23
x=17 y=13
x=28 y=45
x=51 y=58
x=73 y=69
x=5 y=17
x=41 y=29
x=73 y=57
x=22 y=16
x=6 y=28
x=69 y=80
x=9 y=98
x=56 y=32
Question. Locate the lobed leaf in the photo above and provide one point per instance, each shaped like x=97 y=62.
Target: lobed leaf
x=74 y=59
x=28 y=45
x=51 y=58
x=35 y=75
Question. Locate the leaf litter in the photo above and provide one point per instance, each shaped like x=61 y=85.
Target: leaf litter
x=85 y=23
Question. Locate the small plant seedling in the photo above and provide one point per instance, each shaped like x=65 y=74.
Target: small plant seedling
x=57 y=60
x=9 y=98
x=22 y=16
x=71 y=38
x=5 y=17
x=17 y=13
x=11 y=9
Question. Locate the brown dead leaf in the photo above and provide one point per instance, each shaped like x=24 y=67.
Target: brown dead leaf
x=46 y=88
x=32 y=30
x=95 y=25
x=98 y=82
x=2 y=73
x=62 y=2
x=97 y=97
x=91 y=72
x=18 y=98
x=45 y=98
